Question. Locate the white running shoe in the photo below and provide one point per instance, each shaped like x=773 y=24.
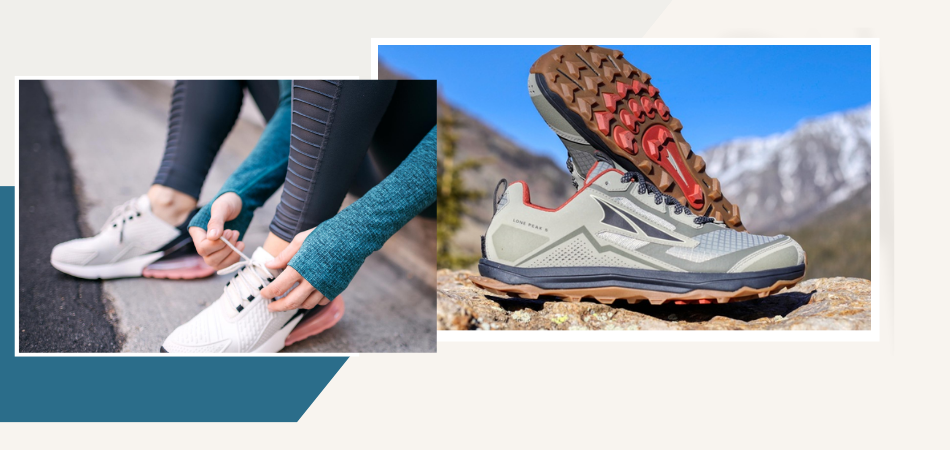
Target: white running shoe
x=130 y=240
x=239 y=321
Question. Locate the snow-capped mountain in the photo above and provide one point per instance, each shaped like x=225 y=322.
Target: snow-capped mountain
x=785 y=180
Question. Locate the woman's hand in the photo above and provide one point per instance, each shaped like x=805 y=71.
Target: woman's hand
x=209 y=245
x=304 y=296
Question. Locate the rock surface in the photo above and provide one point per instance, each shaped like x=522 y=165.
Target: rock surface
x=817 y=304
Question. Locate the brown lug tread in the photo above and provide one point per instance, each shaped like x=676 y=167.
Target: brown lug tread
x=699 y=164
x=715 y=191
x=665 y=181
x=594 y=83
x=645 y=167
x=587 y=77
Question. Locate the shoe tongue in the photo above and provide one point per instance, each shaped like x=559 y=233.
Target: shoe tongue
x=261 y=255
x=143 y=204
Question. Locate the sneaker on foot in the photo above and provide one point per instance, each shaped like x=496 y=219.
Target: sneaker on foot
x=132 y=243
x=621 y=238
x=239 y=321
x=600 y=104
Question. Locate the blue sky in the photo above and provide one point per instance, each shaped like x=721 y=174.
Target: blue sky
x=718 y=92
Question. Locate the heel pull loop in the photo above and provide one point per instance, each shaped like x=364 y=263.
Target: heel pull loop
x=495 y=199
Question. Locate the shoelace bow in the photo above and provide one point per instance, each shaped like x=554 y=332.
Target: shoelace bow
x=127 y=208
x=645 y=186
x=245 y=280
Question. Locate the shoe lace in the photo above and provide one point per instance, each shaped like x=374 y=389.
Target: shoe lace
x=570 y=170
x=250 y=279
x=130 y=209
x=645 y=186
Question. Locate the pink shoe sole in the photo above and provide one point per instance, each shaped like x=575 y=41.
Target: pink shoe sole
x=318 y=323
x=186 y=268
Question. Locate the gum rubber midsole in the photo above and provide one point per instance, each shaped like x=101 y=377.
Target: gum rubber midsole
x=652 y=280
x=609 y=295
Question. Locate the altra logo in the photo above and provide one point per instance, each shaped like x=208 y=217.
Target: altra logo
x=623 y=220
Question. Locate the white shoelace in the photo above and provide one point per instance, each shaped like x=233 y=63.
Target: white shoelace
x=129 y=207
x=251 y=278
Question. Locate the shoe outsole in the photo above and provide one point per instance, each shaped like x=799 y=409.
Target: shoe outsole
x=184 y=268
x=620 y=106
x=178 y=275
x=608 y=295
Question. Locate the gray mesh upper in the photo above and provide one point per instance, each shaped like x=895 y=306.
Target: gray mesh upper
x=625 y=242
x=718 y=243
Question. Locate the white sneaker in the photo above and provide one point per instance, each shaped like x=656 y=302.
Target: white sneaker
x=239 y=321
x=130 y=240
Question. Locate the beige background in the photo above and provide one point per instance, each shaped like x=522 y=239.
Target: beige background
x=872 y=395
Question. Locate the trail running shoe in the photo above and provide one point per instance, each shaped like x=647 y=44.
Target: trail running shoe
x=132 y=243
x=598 y=103
x=239 y=321
x=620 y=238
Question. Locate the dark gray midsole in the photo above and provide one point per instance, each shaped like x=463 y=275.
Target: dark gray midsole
x=653 y=280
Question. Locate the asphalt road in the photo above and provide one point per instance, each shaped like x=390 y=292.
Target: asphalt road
x=58 y=313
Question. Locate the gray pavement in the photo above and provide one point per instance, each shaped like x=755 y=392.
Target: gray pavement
x=115 y=131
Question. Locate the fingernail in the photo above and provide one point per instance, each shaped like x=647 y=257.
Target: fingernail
x=213 y=233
